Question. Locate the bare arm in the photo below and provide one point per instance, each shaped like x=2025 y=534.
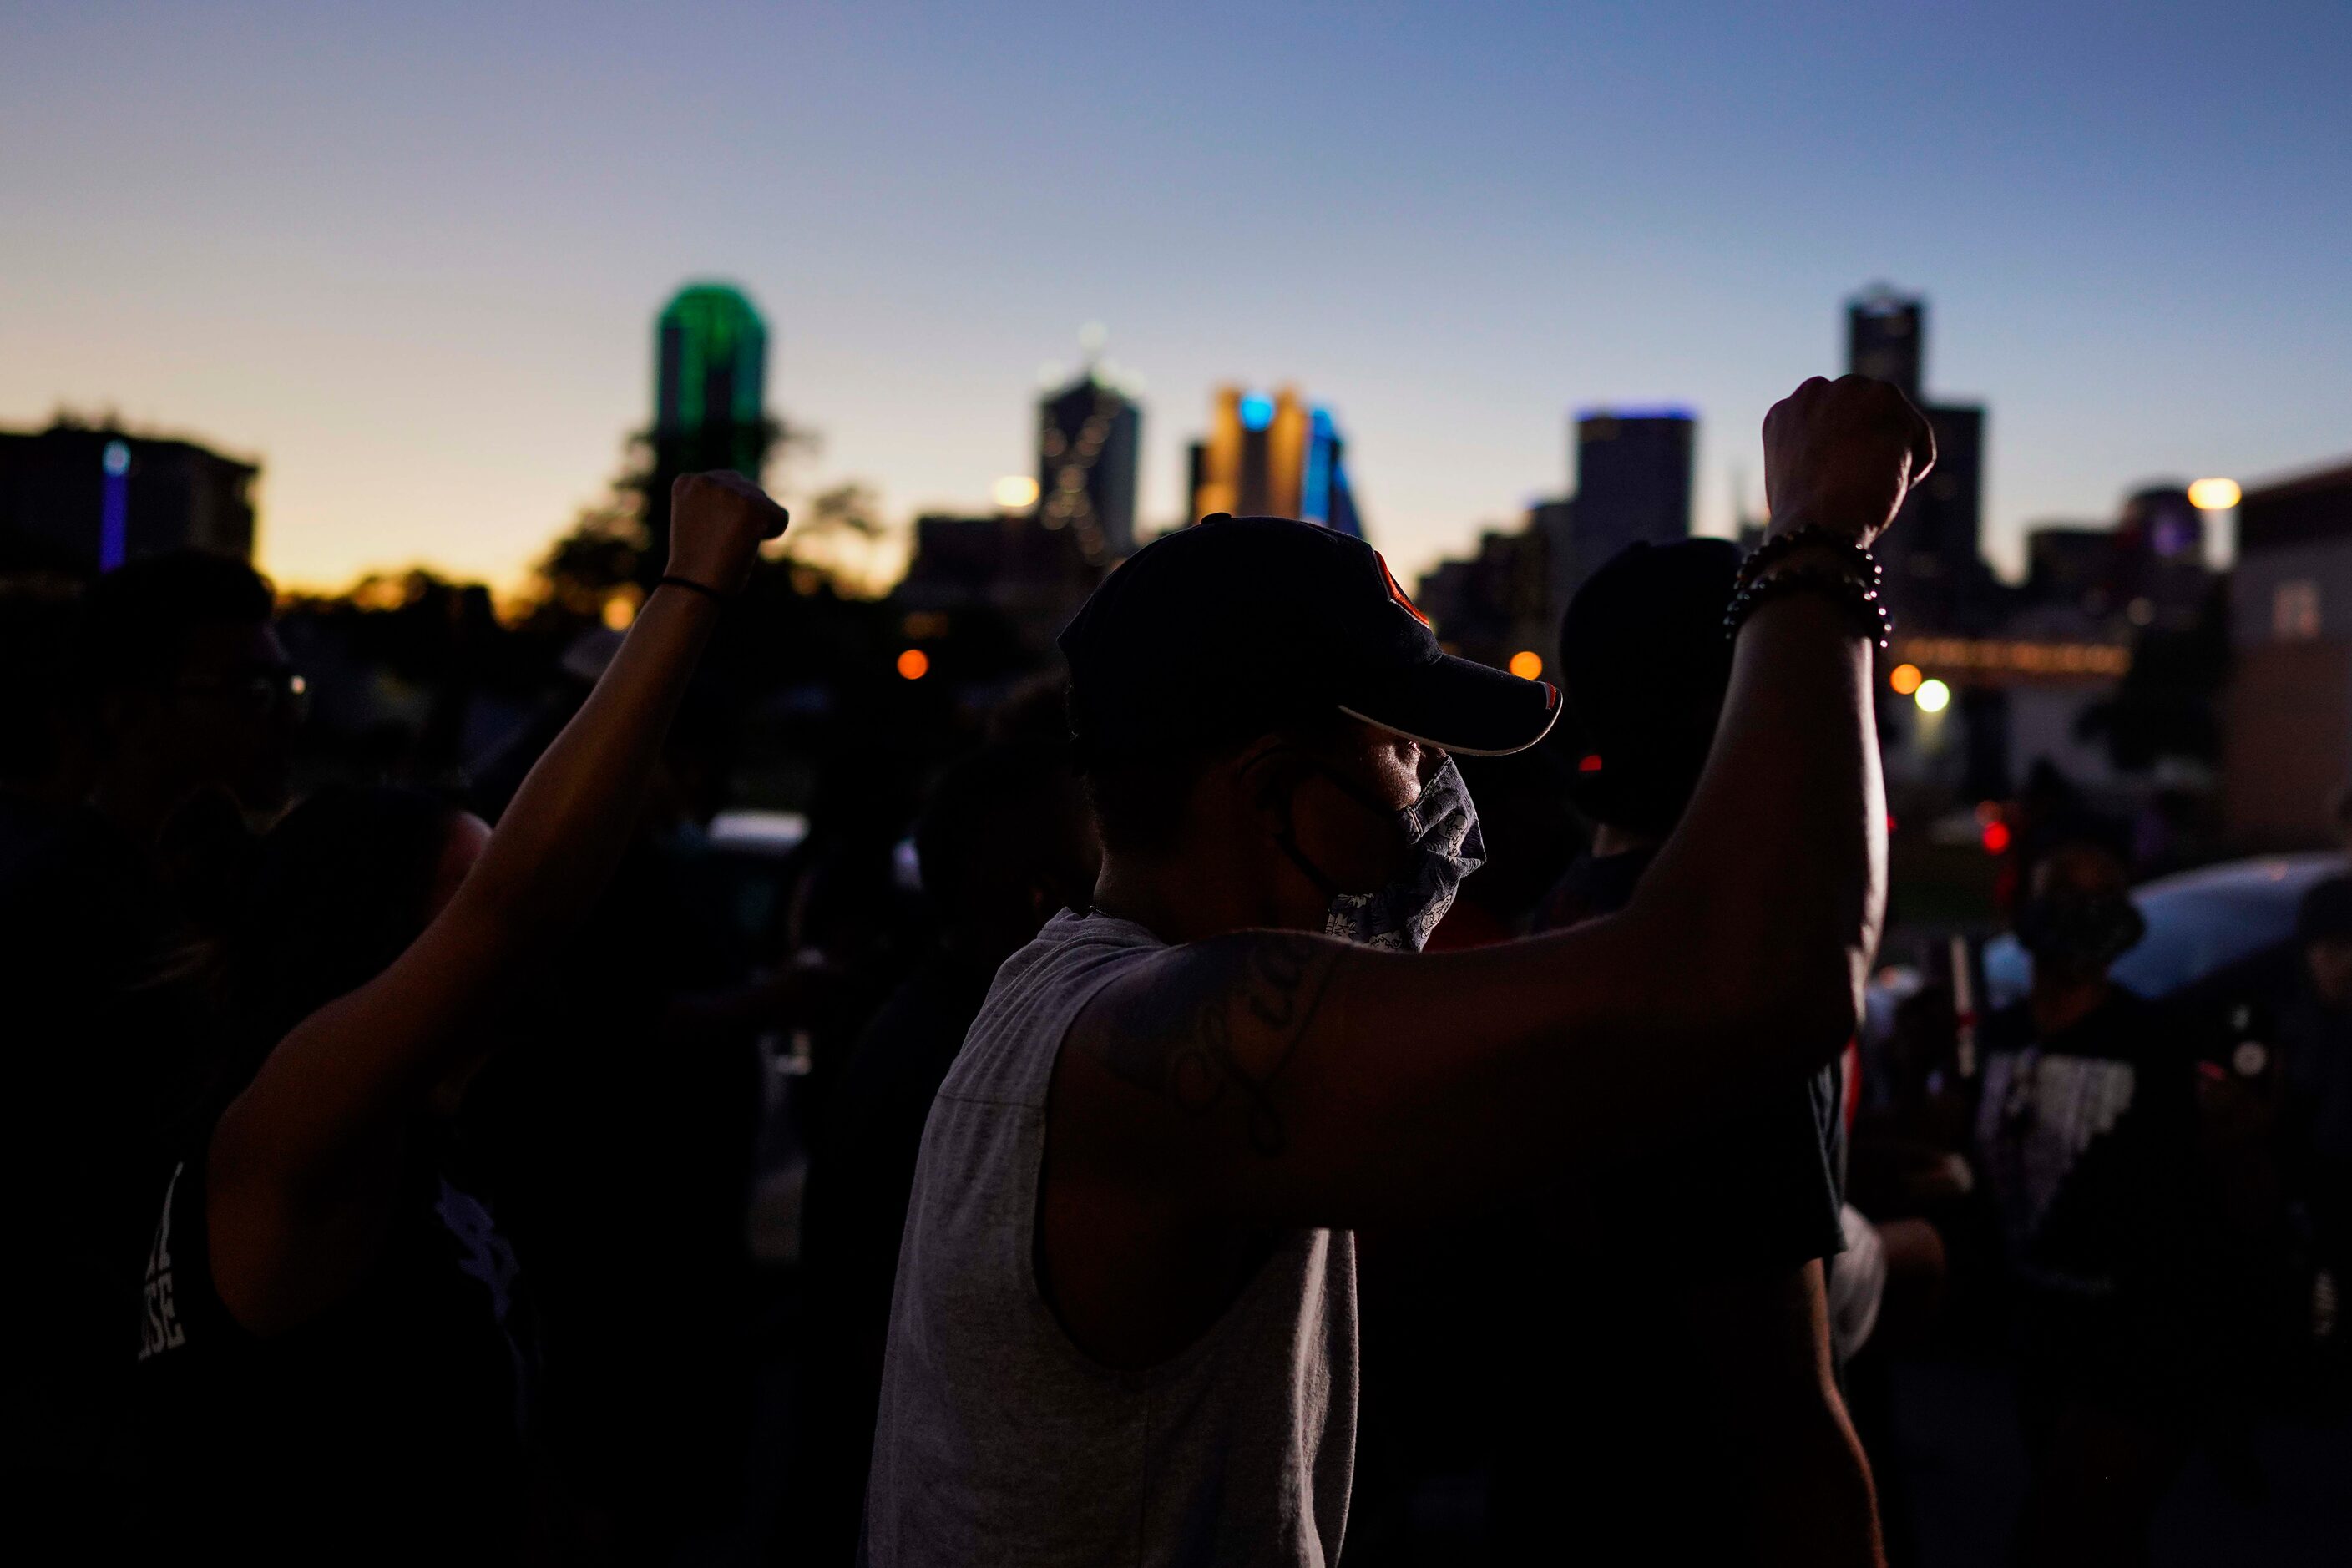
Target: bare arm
x=1279 y=1079
x=301 y=1163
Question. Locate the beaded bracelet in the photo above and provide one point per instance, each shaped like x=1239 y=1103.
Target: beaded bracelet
x=690 y=582
x=1778 y=548
x=1862 y=602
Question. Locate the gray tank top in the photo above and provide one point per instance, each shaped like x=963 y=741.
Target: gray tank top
x=998 y=1439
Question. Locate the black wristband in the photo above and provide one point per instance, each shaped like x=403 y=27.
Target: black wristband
x=690 y=582
x=1858 y=560
x=1862 y=602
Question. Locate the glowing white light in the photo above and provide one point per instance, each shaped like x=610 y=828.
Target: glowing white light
x=2214 y=495
x=1014 y=492
x=1933 y=696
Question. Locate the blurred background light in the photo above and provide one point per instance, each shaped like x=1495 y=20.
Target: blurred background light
x=1527 y=665
x=1905 y=679
x=2214 y=495
x=1933 y=696
x=1016 y=492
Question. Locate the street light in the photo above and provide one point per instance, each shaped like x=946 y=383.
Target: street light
x=1933 y=696
x=2214 y=495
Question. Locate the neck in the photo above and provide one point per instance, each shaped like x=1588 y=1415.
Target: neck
x=2059 y=1003
x=1178 y=900
x=1608 y=839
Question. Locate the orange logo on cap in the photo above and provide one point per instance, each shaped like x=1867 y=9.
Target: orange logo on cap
x=1397 y=593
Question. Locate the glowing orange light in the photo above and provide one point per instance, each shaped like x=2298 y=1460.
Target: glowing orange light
x=1591 y=763
x=914 y=664
x=1527 y=665
x=1905 y=679
x=1996 y=837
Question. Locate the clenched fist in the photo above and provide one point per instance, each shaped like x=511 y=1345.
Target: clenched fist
x=717 y=521
x=1841 y=455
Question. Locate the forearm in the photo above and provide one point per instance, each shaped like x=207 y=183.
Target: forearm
x=567 y=825
x=1796 y=1469
x=1809 y=1497
x=1769 y=897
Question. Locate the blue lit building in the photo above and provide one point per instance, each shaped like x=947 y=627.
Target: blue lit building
x=1273 y=456
x=82 y=501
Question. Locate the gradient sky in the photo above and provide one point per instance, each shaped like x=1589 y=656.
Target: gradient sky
x=409 y=255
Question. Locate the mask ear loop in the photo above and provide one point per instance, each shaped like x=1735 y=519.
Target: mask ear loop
x=1287 y=840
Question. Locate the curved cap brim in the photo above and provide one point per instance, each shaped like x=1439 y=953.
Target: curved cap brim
x=1460 y=705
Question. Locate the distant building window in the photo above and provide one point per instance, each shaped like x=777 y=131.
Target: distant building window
x=2294 y=610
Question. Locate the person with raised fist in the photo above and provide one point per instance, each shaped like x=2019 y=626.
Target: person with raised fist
x=1124 y=1327
x=333 y=1352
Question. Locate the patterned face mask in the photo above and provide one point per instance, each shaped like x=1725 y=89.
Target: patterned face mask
x=1443 y=845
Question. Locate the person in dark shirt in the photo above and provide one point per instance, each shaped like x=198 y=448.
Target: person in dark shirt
x=327 y=1361
x=1711 y=1427
x=1635 y=1362
x=171 y=705
x=1004 y=842
x=2086 y=1139
x=413 y=1385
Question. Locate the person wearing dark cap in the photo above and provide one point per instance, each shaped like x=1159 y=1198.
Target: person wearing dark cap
x=1716 y=1386
x=1124 y=1324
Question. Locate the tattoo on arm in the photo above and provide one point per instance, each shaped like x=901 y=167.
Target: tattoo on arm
x=1222 y=1021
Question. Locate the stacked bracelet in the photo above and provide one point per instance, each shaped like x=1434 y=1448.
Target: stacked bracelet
x=1780 y=546
x=1861 y=601
x=690 y=582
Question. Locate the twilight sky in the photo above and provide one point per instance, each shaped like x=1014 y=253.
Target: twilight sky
x=409 y=255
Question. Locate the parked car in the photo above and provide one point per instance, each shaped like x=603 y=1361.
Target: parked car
x=2199 y=923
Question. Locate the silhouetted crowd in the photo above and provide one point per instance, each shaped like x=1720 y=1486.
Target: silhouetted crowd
x=625 y=1290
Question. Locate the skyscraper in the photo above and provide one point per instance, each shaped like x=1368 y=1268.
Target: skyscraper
x=1089 y=437
x=1274 y=457
x=1936 y=577
x=710 y=358
x=80 y=499
x=1632 y=480
x=1887 y=337
x=711 y=353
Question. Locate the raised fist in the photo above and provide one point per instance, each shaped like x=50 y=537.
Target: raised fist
x=717 y=521
x=1841 y=455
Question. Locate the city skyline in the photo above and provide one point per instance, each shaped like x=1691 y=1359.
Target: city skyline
x=409 y=263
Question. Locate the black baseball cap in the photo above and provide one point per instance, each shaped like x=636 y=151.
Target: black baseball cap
x=1241 y=625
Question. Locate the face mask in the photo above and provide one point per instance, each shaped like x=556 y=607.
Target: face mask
x=1443 y=846
x=2079 y=932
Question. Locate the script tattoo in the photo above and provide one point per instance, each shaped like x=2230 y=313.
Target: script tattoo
x=1221 y=1021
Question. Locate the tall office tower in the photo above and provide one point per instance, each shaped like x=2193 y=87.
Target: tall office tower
x=1633 y=481
x=1887 y=337
x=1089 y=437
x=78 y=499
x=1274 y=457
x=1936 y=577
x=711 y=357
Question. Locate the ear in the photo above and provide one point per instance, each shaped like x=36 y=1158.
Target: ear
x=1263 y=776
